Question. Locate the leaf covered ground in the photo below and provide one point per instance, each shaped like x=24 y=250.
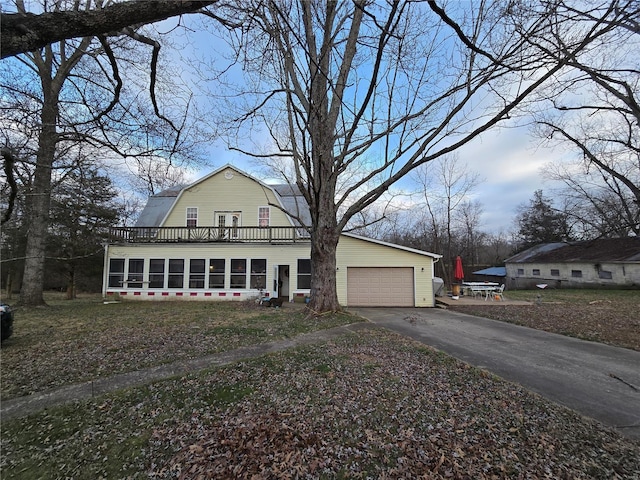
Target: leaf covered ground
x=606 y=316
x=75 y=341
x=367 y=405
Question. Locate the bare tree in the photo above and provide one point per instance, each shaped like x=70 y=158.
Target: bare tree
x=594 y=110
x=25 y=31
x=445 y=185
x=71 y=96
x=468 y=231
x=598 y=204
x=355 y=92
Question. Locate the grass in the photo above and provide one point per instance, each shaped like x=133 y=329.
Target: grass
x=605 y=316
x=372 y=405
x=86 y=339
x=366 y=405
x=576 y=296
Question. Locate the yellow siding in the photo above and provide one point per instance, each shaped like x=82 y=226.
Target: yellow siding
x=354 y=252
x=219 y=193
x=351 y=252
x=275 y=255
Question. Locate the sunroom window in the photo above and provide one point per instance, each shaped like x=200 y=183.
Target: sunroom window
x=259 y=273
x=176 y=273
x=238 y=273
x=196 y=273
x=116 y=272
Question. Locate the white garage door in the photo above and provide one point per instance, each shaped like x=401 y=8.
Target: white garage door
x=380 y=287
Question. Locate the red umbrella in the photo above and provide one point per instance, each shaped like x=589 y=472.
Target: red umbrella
x=458 y=272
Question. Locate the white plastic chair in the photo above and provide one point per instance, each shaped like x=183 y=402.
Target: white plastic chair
x=497 y=295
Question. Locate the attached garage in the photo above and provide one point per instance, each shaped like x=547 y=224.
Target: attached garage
x=380 y=286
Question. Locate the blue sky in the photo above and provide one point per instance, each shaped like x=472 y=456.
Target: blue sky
x=507 y=159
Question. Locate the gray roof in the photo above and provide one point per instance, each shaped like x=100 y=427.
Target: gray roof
x=158 y=206
x=600 y=250
x=293 y=202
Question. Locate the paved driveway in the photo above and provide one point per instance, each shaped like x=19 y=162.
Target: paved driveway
x=597 y=380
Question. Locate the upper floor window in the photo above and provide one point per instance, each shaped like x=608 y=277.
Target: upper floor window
x=555 y=272
x=576 y=273
x=263 y=216
x=536 y=271
x=521 y=271
x=192 y=216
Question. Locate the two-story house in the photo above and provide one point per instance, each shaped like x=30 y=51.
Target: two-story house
x=227 y=237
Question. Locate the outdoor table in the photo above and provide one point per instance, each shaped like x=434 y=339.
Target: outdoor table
x=480 y=287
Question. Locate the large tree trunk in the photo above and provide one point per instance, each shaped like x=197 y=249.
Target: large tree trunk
x=39 y=203
x=324 y=244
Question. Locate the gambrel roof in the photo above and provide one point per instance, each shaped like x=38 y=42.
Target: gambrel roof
x=600 y=250
x=158 y=206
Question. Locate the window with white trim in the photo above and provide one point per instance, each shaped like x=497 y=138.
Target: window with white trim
x=264 y=214
x=216 y=272
x=116 y=272
x=156 y=273
x=192 y=216
x=196 y=273
x=304 y=273
x=135 y=274
x=176 y=273
x=238 y=273
x=259 y=273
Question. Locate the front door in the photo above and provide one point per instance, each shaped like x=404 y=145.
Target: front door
x=281 y=280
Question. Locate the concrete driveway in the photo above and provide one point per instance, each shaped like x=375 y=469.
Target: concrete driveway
x=596 y=380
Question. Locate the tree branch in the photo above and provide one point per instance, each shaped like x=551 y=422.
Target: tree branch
x=25 y=32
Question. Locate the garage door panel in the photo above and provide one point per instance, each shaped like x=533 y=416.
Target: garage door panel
x=372 y=287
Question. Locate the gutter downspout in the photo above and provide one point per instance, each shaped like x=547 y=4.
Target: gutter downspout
x=105 y=272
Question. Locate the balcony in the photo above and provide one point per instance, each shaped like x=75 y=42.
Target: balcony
x=208 y=234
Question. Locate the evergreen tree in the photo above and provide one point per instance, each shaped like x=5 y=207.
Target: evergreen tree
x=83 y=208
x=540 y=222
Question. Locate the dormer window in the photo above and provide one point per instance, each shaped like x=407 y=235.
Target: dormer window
x=192 y=216
x=263 y=216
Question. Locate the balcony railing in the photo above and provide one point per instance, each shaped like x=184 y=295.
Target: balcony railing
x=208 y=234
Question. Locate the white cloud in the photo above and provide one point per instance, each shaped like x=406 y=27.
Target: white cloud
x=511 y=166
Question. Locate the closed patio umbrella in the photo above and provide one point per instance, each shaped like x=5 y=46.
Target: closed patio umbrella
x=458 y=272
